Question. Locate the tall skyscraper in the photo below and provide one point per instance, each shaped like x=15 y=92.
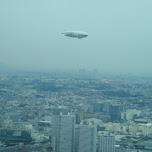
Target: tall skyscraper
x=63 y=133
x=85 y=138
x=115 y=111
x=106 y=143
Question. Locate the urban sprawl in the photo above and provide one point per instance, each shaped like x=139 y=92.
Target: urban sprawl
x=81 y=112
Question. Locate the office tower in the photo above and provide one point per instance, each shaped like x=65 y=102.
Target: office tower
x=115 y=112
x=85 y=138
x=63 y=133
x=106 y=143
x=98 y=107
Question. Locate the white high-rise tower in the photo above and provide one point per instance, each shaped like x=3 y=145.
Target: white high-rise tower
x=63 y=133
x=85 y=138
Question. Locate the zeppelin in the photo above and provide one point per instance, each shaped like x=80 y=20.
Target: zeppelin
x=75 y=34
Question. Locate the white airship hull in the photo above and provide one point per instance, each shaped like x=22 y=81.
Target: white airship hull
x=75 y=34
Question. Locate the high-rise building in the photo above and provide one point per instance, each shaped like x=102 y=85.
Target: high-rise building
x=98 y=107
x=106 y=143
x=63 y=133
x=85 y=138
x=115 y=111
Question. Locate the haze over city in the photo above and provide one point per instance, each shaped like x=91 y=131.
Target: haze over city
x=119 y=40
x=75 y=76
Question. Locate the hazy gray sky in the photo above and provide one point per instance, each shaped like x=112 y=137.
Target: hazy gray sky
x=120 y=34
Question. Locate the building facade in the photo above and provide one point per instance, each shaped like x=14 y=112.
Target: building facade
x=106 y=143
x=85 y=138
x=63 y=133
x=98 y=107
x=115 y=112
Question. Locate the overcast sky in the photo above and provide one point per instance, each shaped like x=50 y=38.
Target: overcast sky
x=120 y=34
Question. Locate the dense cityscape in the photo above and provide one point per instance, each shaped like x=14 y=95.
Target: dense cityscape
x=75 y=112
